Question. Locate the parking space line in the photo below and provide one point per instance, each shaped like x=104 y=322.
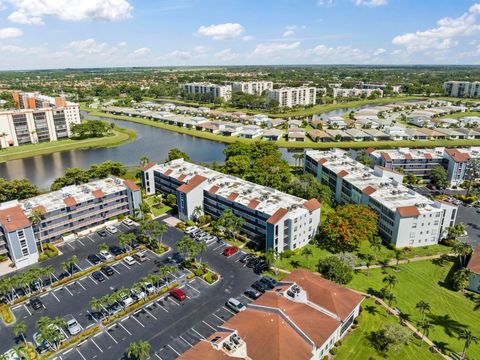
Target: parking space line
x=133 y=317
x=91 y=315
x=79 y=266
x=210 y=326
x=124 y=328
x=173 y=301
x=89 y=262
x=55 y=296
x=196 y=332
x=191 y=287
x=89 y=238
x=43 y=295
x=219 y=318
x=106 y=332
x=80 y=242
x=181 y=337
x=175 y=351
x=246 y=297
x=231 y=312
x=158 y=356
x=146 y=309
x=25 y=306
x=121 y=262
x=98 y=347
x=66 y=288
x=79 y=353
x=218 y=247
x=90 y=277
x=70 y=245
x=79 y=283
x=114 y=269
x=162 y=307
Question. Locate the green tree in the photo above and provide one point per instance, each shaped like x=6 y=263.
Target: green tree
x=50 y=330
x=424 y=308
x=103 y=247
x=335 y=269
x=376 y=244
x=364 y=158
x=20 y=329
x=189 y=247
x=438 y=177
x=390 y=281
x=424 y=326
x=16 y=189
x=238 y=165
x=460 y=278
x=467 y=335
x=68 y=265
x=171 y=199
x=139 y=350
x=462 y=250
x=306 y=186
x=456 y=231
x=307 y=253
x=176 y=153
x=126 y=239
x=389 y=336
x=472 y=172
x=144 y=160
x=231 y=222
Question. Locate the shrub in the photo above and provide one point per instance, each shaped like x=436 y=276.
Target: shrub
x=6 y=314
x=338 y=343
x=333 y=351
x=288 y=254
x=190 y=276
x=355 y=321
x=42 y=257
x=3 y=258
x=189 y=223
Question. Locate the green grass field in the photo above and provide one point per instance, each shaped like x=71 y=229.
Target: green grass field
x=355 y=346
x=120 y=136
x=451 y=311
x=157 y=211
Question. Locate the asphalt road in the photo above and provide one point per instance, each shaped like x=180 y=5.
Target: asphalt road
x=470 y=217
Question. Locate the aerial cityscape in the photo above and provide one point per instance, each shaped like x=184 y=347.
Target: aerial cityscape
x=182 y=180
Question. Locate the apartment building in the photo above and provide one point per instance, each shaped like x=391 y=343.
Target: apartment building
x=279 y=220
x=462 y=89
x=420 y=162
x=293 y=96
x=301 y=318
x=343 y=92
x=405 y=217
x=65 y=211
x=38 y=119
x=252 y=87
x=217 y=91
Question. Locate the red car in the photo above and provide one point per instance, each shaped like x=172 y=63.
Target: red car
x=230 y=250
x=178 y=294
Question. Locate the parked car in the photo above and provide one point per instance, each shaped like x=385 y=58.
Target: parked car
x=11 y=354
x=36 y=303
x=116 y=250
x=140 y=257
x=107 y=270
x=245 y=258
x=261 y=267
x=235 y=305
x=271 y=283
x=230 y=250
x=178 y=294
x=190 y=229
x=253 y=262
x=105 y=255
x=94 y=259
x=253 y=294
x=115 y=308
x=138 y=294
x=111 y=229
x=128 y=222
x=260 y=286
x=97 y=275
x=129 y=260
x=149 y=288
x=126 y=300
x=210 y=239
x=73 y=326
x=102 y=233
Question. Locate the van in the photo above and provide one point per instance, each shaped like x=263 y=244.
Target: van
x=140 y=257
x=235 y=305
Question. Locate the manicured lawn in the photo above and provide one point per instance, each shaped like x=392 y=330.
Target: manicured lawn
x=119 y=136
x=451 y=311
x=157 y=211
x=355 y=346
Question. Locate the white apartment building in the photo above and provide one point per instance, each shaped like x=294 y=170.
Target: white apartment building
x=293 y=96
x=342 y=92
x=252 y=87
x=221 y=91
x=279 y=220
x=462 y=89
x=38 y=119
x=405 y=217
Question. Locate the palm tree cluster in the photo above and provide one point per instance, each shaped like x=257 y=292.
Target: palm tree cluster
x=31 y=280
x=139 y=350
x=154 y=231
x=50 y=330
x=69 y=264
x=191 y=248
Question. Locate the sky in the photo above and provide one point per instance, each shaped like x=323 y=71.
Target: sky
x=46 y=34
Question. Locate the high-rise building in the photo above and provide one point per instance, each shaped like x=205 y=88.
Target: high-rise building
x=217 y=91
x=252 y=87
x=462 y=89
x=293 y=96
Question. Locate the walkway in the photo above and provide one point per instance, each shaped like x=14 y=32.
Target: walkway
x=393 y=262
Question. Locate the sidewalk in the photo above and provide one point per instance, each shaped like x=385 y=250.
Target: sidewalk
x=393 y=262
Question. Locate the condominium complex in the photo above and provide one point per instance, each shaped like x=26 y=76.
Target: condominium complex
x=301 y=318
x=279 y=220
x=293 y=96
x=341 y=92
x=462 y=89
x=38 y=119
x=65 y=211
x=252 y=87
x=217 y=91
x=420 y=162
x=405 y=218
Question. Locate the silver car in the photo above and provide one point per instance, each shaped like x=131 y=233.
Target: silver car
x=73 y=326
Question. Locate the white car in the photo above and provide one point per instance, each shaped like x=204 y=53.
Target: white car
x=105 y=255
x=112 y=229
x=128 y=222
x=129 y=260
x=73 y=326
x=139 y=294
x=190 y=229
x=149 y=288
x=235 y=305
x=126 y=300
x=11 y=354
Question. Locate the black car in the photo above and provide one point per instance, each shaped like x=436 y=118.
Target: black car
x=253 y=294
x=94 y=259
x=97 y=275
x=115 y=250
x=271 y=283
x=261 y=267
x=107 y=270
x=102 y=233
x=253 y=262
x=246 y=258
x=36 y=303
x=260 y=286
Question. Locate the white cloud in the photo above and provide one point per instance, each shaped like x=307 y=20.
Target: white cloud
x=10 y=32
x=176 y=55
x=32 y=12
x=371 y=3
x=379 y=51
x=141 y=52
x=291 y=29
x=275 y=49
x=200 y=50
x=222 y=31
x=225 y=55
x=326 y=2
x=122 y=44
x=88 y=46
x=443 y=36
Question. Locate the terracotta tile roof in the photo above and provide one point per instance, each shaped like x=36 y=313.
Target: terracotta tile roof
x=408 y=211
x=457 y=156
x=317 y=325
x=386 y=156
x=253 y=204
x=168 y=172
x=40 y=208
x=370 y=150
x=408 y=156
x=13 y=219
x=98 y=193
x=182 y=176
x=149 y=166
x=279 y=214
x=326 y=294
x=428 y=156
x=131 y=185
x=474 y=263
x=192 y=183
x=70 y=201
x=205 y=351
x=232 y=196
x=213 y=189
x=322 y=161
x=369 y=190
x=342 y=173
x=312 y=205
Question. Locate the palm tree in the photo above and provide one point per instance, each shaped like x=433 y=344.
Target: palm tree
x=368 y=258
x=399 y=255
x=467 y=335
x=197 y=212
x=68 y=264
x=97 y=305
x=307 y=253
x=391 y=281
x=477 y=304
x=391 y=298
x=425 y=326
x=166 y=270
x=36 y=217
x=144 y=160
x=103 y=247
x=49 y=329
x=376 y=244
x=424 y=307
x=126 y=239
x=139 y=350
x=462 y=250
x=20 y=329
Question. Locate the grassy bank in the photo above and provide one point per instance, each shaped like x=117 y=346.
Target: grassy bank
x=120 y=135
x=294 y=145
